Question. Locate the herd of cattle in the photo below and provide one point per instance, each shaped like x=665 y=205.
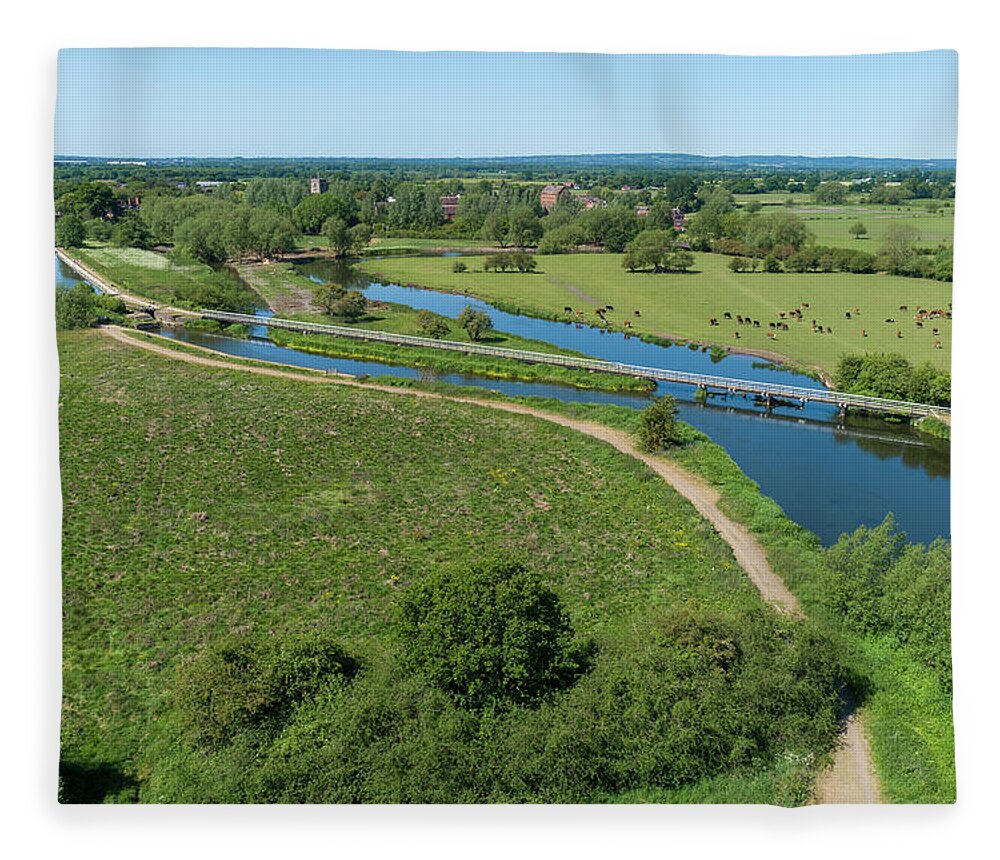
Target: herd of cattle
x=920 y=316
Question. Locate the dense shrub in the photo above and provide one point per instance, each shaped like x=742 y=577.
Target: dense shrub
x=242 y=682
x=891 y=376
x=881 y=584
x=80 y=307
x=688 y=694
x=659 y=428
x=490 y=635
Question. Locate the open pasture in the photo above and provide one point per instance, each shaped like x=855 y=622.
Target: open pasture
x=682 y=306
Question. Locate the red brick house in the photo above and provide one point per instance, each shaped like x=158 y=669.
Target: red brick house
x=552 y=195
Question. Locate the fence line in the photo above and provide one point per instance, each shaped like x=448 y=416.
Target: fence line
x=767 y=390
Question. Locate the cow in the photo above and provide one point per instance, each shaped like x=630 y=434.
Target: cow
x=568 y=310
x=609 y=307
x=756 y=323
x=847 y=314
x=726 y=315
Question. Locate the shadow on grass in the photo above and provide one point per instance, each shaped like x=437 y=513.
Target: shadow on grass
x=95 y=783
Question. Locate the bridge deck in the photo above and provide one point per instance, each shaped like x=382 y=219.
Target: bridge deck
x=719 y=383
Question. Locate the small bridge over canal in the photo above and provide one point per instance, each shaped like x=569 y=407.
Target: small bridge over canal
x=770 y=394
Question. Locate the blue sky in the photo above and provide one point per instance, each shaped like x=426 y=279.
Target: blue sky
x=271 y=103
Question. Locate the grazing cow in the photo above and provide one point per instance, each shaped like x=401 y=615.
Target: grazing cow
x=857 y=311
x=609 y=307
x=890 y=320
x=829 y=330
x=903 y=307
x=898 y=333
x=727 y=315
x=568 y=310
x=756 y=323
x=864 y=333
x=628 y=324
x=638 y=314
x=934 y=331
x=937 y=344
x=736 y=334
x=919 y=324
x=821 y=329
x=739 y=319
x=770 y=325
x=848 y=314
x=784 y=326
x=772 y=335
x=805 y=304
x=782 y=314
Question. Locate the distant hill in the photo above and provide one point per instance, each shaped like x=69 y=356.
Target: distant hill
x=648 y=160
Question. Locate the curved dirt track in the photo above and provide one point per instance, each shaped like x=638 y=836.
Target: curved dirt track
x=852 y=777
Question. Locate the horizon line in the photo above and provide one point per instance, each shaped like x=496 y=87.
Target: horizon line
x=510 y=157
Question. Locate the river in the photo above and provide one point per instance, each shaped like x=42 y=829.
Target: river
x=828 y=474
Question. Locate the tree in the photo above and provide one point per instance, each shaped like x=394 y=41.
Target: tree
x=830 y=193
x=70 y=232
x=857 y=230
x=132 y=232
x=459 y=266
x=432 y=325
x=351 y=305
x=491 y=635
x=311 y=214
x=338 y=234
x=495 y=229
x=778 y=232
x=360 y=235
x=474 y=322
x=271 y=232
x=525 y=227
x=75 y=307
x=898 y=247
x=659 y=425
x=656 y=250
x=326 y=297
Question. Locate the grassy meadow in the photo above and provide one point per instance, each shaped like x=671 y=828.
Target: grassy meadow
x=681 y=305
x=152 y=275
x=203 y=504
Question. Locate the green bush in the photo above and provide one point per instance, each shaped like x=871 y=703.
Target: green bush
x=242 y=682
x=491 y=634
x=659 y=428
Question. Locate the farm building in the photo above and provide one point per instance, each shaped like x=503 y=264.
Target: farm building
x=552 y=195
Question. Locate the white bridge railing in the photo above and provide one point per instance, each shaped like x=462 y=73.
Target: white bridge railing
x=767 y=390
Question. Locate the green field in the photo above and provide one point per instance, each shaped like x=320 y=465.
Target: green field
x=155 y=276
x=831 y=224
x=681 y=305
x=203 y=503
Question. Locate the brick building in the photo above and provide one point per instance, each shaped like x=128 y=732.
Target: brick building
x=552 y=195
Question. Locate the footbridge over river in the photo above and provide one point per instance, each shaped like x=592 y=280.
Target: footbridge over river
x=770 y=393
